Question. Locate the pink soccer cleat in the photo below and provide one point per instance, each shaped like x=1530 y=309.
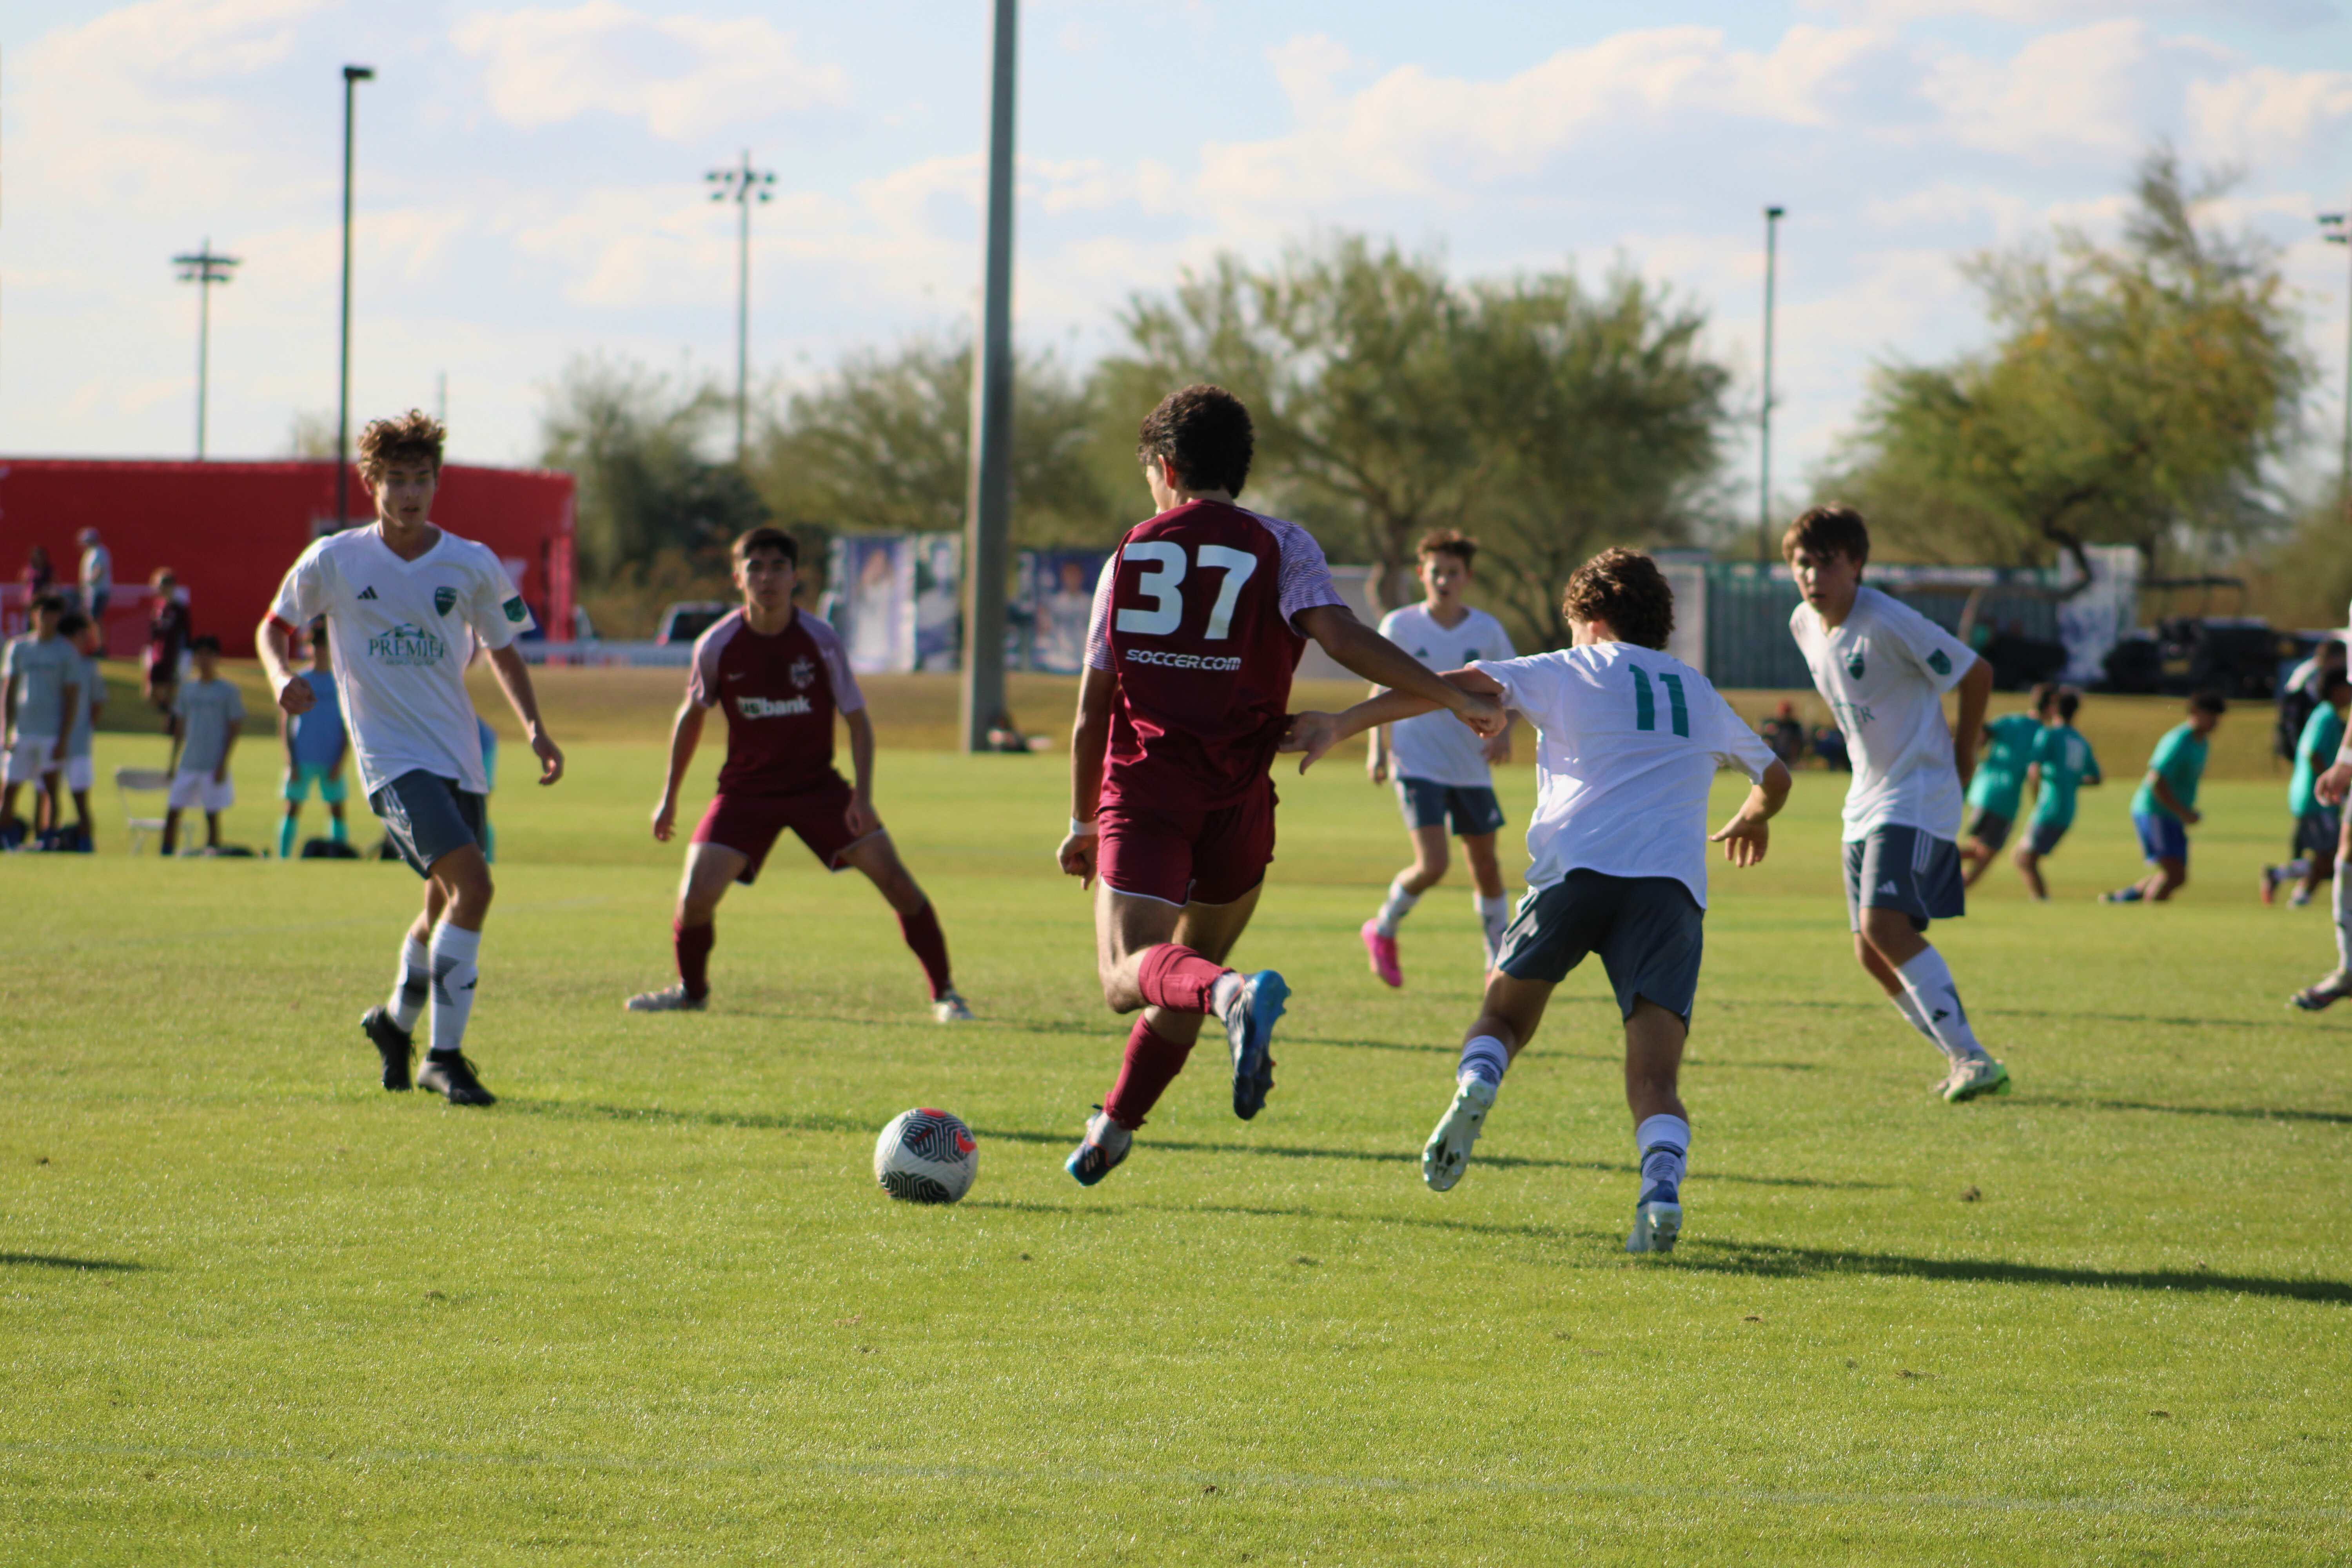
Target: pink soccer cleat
x=1383 y=953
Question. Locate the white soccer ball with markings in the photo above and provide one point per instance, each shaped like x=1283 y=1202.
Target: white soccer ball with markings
x=926 y=1157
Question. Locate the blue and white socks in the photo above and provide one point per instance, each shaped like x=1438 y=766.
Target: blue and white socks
x=1395 y=906
x=1664 y=1145
x=411 y=986
x=1484 y=1058
x=1928 y=985
x=453 y=978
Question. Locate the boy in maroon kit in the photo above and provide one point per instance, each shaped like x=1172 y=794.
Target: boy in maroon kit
x=1198 y=624
x=782 y=674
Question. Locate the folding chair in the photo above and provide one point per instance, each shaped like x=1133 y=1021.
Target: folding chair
x=144 y=780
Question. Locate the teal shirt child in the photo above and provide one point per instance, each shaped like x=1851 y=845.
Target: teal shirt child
x=2066 y=761
x=2323 y=732
x=2180 y=760
x=2000 y=783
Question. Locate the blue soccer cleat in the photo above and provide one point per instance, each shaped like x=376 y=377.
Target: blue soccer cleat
x=1657 y=1221
x=1106 y=1145
x=1256 y=1003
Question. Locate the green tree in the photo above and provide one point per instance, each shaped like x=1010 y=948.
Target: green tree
x=2140 y=393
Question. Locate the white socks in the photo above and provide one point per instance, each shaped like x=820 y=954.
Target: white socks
x=1484 y=1056
x=453 y=976
x=1398 y=905
x=1664 y=1143
x=2340 y=896
x=411 y=985
x=1915 y=1019
x=1494 y=913
x=1932 y=991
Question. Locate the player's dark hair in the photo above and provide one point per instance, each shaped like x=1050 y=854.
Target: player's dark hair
x=414 y=437
x=1206 y=431
x=56 y=602
x=2211 y=703
x=1448 y=542
x=1625 y=588
x=71 y=623
x=2070 y=702
x=2043 y=694
x=1828 y=530
x=766 y=538
x=205 y=644
x=2331 y=681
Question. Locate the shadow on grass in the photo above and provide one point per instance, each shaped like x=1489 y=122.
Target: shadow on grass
x=1408 y=1157
x=2235 y=1112
x=2057 y=1014
x=1799 y=1262
x=790 y=1121
x=75 y=1265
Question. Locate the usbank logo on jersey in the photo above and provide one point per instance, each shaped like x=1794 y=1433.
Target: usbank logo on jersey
x=407 y=643
x=771 y=707
x=444 y=600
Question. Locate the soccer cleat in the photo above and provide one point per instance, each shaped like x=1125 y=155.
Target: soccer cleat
x=392 y=1043
x=1975 y=1078
x=1657 y=1221
x=673 y=1000
x=2270 y=884
x=951 y=1008
x=1257 y=1002
x=2299 y=900
x=1447 y=1153
x=1382 y=951
x=2122 y=896
x=1106 y=1145
x=2317 y=998
x=449 y=1073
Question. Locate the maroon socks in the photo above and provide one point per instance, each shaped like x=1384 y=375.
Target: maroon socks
x=1152 y=1065
x=1177 y=978
x=921 y=931
x=694 y=944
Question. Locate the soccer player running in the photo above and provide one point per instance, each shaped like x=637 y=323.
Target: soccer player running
x=1884 y=669
x=2317 y=825
x=401 y=599
x=2063 y=764
x=1442 y=769
x=1198 y=624
x=1998 y=791
x=782 y=674
x=1628 y=740
x=2165 y=808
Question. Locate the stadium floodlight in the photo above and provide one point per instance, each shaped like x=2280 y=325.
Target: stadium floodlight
x=1764 y=553
x=352 y=77
x=204 y=269
x=988 y=496
x=2335 y=230
x=743 y=185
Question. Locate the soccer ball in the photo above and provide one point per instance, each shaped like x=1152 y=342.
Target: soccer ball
x=926 y=1157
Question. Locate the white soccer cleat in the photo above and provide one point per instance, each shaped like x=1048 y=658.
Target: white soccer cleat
x=1447 y=1153
x=1656 y=1224
x=673 y=1000
x=951 y=1009
x=1975 y=1078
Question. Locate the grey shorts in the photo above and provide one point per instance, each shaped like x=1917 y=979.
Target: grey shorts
x=2316 y=832
x=1649 y=932
x=1989 y=829
x=1468 y=810
x=426 y=815
x=1903 y=868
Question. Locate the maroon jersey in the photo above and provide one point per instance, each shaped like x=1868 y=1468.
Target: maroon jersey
x=780 y=694
x=1194 y=616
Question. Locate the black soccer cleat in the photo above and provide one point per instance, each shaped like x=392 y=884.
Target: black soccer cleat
x=449 y=1073
x=392 y=1044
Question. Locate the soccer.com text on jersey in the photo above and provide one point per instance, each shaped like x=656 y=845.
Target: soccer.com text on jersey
x=1224 y=665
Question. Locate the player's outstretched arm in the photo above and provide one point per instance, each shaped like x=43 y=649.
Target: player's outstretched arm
x=685 y=736
x=1089 y=739
x=1976 y=693
x=514 y=679
x=1359 y=648
x=1749 y=834
x=275 y=641
x=1316 y=734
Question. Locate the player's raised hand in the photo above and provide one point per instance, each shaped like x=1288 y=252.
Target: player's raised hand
x=1744 y=838
x=550 y=758
x=664 y=820
x=2334 y=784
x=1312 y=734
x=295 y=696
x=1076 y=856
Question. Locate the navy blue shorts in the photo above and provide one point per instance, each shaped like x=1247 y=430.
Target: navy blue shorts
x=1903 y=868
x=1649 y=932
x=2045 y=833
x=2316 y=832
x=1989 y=829
x=1468 y=810
x=426 y=816
x=2162 y=836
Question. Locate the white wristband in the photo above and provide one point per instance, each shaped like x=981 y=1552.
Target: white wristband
x=1081 y=829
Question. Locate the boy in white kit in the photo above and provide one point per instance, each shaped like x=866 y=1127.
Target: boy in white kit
x=1884 y=669
x=1439 y=764
x=205 y=712
x=40 y=682
x=1628 y=740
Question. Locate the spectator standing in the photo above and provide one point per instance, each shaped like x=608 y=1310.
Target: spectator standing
x=167 y=639
x=205 y=717
x=81 y=631
x=316 y=744
x=38 y=576
x=96 y=579
x=1785 y=735
x=39 y=680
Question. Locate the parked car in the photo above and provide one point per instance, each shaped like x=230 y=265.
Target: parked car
x=2237 y=655
x=687 y=621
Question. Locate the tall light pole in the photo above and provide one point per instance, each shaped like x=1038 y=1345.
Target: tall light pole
x=2334 y=231
x=352 y=77
x=988 y=499
x=204 y=269
x=1772 y=216
x=742 y=185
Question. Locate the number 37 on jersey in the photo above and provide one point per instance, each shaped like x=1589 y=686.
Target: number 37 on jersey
x=1165 y=569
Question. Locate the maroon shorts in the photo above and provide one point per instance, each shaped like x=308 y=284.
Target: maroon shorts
x=1188 y=857
x=749 y=823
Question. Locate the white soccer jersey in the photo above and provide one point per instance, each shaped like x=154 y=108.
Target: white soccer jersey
x=1628 y=741
x=41 y=671
x=399 y=632
x=1884 y=672
x=1438 y=746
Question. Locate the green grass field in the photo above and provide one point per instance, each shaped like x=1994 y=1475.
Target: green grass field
x=652 y=1306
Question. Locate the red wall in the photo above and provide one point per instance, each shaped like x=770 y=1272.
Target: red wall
x=230 y=530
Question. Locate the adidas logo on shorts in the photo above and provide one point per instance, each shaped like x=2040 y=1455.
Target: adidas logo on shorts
x=1888 y=886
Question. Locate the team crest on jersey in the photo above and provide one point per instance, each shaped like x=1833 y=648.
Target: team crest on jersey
x=514 y=609
x=445 y=599
x=801 y=672
x=407 y=643
x=1939 y=663
x=1853 y=664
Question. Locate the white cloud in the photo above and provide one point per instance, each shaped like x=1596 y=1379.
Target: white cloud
x=2268 y=113
x=684 y=77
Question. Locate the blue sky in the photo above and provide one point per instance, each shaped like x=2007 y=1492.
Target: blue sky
x=530 y=176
